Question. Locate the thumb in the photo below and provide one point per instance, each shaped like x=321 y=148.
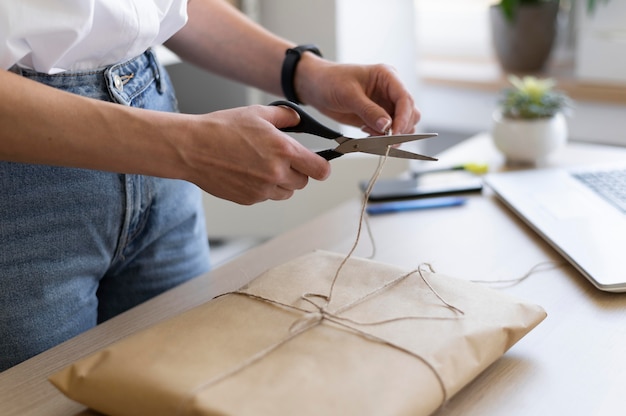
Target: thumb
x=374 y=116
x=283 y=116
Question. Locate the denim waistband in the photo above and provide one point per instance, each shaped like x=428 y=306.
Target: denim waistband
x=117 y=83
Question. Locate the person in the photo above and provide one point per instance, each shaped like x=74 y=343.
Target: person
x=100 y=175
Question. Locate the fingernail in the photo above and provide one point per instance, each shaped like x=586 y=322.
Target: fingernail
x=383 y=124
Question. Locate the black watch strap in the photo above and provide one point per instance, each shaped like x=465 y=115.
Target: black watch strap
x=292 y=57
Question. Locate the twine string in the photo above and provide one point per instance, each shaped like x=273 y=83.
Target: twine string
x=537 y=268
x=318 y=315
x=362 y=219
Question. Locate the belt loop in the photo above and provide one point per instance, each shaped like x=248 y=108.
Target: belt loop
x=16 y=70
x=157 y=70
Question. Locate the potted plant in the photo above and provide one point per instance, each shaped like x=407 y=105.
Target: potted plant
x=530 y=124
x=523 y=33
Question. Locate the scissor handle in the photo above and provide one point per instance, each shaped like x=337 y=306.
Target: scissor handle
x=307 y=123
x=329 y=154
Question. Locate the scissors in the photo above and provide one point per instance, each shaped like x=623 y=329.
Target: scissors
x=375 y=145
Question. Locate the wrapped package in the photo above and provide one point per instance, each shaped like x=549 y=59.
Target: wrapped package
x=316 y=335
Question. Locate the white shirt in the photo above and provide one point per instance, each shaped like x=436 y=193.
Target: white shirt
x=53 y=36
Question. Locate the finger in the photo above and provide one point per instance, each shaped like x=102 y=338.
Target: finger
x=369 y=131
x=406 y=116
x=374 y=116
x=302 y=160
x=281 y=194
x=312 y=165
x=295 y=181
x=300 y=182
x=283 y=116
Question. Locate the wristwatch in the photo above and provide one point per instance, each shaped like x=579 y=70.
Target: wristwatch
x=292 y=57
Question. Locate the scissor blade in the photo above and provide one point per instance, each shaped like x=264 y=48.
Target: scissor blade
x=390 y=140
x=393 y=152
x=376 y=143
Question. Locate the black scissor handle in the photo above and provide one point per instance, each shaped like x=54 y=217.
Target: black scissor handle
x=307 y=123
x=329 y=154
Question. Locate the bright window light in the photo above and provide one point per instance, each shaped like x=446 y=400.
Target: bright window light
x=453 y=28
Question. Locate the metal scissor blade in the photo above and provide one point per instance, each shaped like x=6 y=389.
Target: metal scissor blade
x=376 y=143
x=393 y=152
x=390 y=140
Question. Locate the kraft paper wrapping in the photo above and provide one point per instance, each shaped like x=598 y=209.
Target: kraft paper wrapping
x=388 y=343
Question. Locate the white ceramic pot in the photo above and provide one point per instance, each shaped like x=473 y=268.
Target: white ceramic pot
x=528 y=141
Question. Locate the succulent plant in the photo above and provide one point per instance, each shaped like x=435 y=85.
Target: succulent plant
x=531 y=98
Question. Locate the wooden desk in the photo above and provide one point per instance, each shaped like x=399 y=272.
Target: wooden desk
x=573 y=363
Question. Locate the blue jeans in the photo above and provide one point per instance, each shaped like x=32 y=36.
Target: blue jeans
x=77 y=246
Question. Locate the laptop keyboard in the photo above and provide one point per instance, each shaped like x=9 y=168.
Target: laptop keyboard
x=610 y=184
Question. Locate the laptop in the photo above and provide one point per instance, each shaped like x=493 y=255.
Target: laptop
x=580 y=211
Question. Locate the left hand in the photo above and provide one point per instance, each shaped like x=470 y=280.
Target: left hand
x=368 y=96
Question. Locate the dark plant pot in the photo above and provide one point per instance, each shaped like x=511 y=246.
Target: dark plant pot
x=524 y=44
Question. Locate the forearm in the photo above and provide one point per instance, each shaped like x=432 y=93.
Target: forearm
x=46 y=126
x=220 y=39
x=238 y=154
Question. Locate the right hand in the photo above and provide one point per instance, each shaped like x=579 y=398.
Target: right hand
x=241 y=155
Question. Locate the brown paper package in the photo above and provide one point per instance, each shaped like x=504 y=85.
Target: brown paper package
x=377 y=348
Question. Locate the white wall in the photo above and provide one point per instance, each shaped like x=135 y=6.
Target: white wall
x=601 y=52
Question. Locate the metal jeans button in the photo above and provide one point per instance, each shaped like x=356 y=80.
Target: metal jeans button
x=119 y=84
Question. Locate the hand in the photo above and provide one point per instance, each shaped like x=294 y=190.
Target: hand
x=240 y=155
x=367 y=96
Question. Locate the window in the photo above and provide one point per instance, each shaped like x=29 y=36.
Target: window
x=453 y=28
